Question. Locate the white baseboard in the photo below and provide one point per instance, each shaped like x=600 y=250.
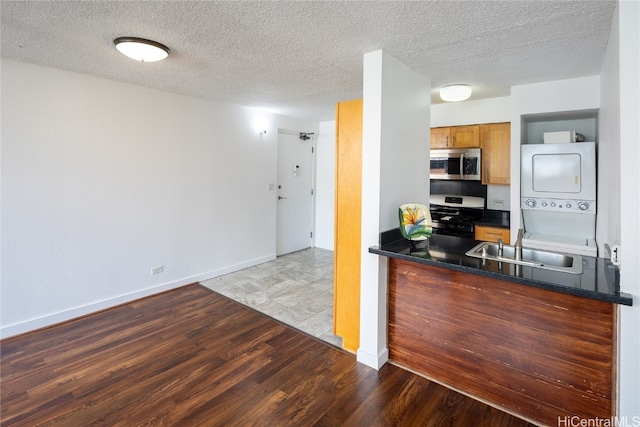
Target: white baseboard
x=66 y=315
x=373 y=361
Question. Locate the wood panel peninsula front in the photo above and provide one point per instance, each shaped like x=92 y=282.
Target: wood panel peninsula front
x=540 y=345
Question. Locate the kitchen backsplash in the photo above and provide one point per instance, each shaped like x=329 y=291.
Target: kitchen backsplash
x=458 y=188
x=499 y=197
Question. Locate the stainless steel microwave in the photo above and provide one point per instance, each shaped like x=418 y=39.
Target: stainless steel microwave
x=455 y=163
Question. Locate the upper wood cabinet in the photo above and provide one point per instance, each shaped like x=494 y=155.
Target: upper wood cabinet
x=465 y=136
x=496 y=153
x=440 y=137
x=455 y=137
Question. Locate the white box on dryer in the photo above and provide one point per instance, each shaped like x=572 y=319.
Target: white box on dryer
x=559 y=137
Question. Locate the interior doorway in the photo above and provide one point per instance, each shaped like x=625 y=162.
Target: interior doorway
x=294 y=223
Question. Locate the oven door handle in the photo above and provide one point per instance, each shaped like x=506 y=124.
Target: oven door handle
x=462 y=165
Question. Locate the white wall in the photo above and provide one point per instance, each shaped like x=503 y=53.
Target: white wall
x=609 y=143
x=325 y=185
x=395 y=151
x=628 y=14
x=492 y=110
x=101 y=181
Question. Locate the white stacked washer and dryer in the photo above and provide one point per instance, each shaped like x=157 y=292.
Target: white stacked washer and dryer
x=558 y=197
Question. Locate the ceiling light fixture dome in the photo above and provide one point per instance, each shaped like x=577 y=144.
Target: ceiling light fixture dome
x=142 y=50
x=456 y=92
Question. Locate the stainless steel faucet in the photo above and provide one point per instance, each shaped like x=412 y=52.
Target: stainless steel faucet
x=518 y=245
x=500 y=247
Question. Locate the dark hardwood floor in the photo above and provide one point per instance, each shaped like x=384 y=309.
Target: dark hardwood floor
x=190 y=357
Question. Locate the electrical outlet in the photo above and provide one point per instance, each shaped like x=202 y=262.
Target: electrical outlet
x=157 y=270
x=615 y=255
x=498 y=202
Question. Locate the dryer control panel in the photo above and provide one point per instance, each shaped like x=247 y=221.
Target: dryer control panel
x=559 y=205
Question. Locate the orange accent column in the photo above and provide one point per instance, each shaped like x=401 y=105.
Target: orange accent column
x=348 y=207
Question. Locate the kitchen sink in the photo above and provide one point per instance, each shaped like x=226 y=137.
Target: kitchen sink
x=535 y=258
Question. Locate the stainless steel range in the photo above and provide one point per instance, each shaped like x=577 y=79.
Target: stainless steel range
x=455 y=215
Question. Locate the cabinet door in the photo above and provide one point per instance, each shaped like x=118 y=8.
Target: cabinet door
x=348 y=205
x=465 y=136
x=492 y=234
x=496 y=153
x=440 y=137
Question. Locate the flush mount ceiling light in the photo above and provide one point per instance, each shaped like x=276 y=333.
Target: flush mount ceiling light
x=142 y=50
x=457 y=92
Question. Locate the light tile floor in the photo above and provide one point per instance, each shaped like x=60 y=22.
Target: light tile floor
x=295 y=288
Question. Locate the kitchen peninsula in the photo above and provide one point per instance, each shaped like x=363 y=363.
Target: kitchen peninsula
x=538 y=344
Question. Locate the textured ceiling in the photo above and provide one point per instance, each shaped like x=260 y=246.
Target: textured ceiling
x=299 y=58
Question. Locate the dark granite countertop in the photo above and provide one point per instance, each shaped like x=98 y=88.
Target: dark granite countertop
x=599 y=279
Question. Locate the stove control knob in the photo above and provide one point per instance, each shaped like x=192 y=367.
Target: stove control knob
x=568 y=205
x=531 y=203
x=544 y=203
x=553 y=205
x=583 y=206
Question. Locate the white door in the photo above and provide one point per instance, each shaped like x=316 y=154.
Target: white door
x=295 y=193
